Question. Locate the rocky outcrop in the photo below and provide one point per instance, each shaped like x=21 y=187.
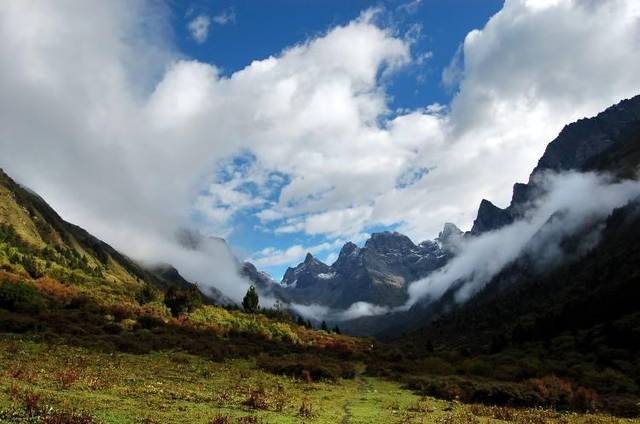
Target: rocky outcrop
x=490 y=217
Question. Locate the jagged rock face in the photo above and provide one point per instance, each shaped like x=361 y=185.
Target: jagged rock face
x=608 y=142
x=309 y=272
x=450 y=238
x=259 y=279
x=377 y=273
x=490 y=217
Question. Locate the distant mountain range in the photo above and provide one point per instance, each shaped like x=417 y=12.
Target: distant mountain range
x=379 y=272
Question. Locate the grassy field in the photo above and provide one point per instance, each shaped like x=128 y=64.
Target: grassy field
x=53 y=383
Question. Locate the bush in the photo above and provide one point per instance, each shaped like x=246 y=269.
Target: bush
x=20 y=297
x=257 y=399
x=550 y=391
x=182 y=301
x=67 y=377
x=307 y=367
x=149 y=321
x=305 y=409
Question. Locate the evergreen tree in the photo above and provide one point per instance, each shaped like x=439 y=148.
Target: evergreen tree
x=324 y=327
x=336 y=330
x=251 y=300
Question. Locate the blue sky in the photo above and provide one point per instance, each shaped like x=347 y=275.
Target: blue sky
x=259 y=29
x=251 y=30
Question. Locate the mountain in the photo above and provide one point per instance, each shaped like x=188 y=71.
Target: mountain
x=607 y=142
x=379 y=272
x=67 y=251
x=591 y=288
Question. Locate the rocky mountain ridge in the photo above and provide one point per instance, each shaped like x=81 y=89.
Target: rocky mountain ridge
x=606 y=142
x=378 y=272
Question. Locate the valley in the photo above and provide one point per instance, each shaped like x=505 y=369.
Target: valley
x=319 y=212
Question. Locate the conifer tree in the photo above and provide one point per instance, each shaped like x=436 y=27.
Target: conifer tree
x=251 y=300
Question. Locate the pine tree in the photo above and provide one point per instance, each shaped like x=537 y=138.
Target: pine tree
x=251 y=300
x=337 y=330
x=324 y=327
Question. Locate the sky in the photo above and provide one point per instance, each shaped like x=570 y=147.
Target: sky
x=288 y=126
x=233 y=34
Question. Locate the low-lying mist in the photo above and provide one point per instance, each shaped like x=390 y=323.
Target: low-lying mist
x=573 y=201
x=209 y=263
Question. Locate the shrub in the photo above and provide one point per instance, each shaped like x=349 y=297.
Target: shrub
x=283 y=332
x=22 y=373
x=182 y=301
x=66 y=417
x=257 y=399
x=67 y=377
x=31 y=401
x=20 y=297
x=221 y=419
x=305 y=409
x=434 y=365
x=307 y=367
x=622 y=406
x=149 y=321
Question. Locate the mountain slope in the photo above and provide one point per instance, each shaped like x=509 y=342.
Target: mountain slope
x=607 y=142
x=38 y=241
x=596 y=290
x=593 y=292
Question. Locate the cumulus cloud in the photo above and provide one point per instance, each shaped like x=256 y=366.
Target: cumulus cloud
x=516 y=87
x=126 y=139
x=292 y=255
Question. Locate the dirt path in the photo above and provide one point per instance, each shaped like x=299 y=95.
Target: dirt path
x=346 y=418
x=363 y=388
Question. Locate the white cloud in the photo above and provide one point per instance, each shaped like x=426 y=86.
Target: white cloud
x=411 y=6
x=199 y=28
x=573 y=202
x=293 y=255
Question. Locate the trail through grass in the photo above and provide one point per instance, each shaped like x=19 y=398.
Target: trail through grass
x=174 y=387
